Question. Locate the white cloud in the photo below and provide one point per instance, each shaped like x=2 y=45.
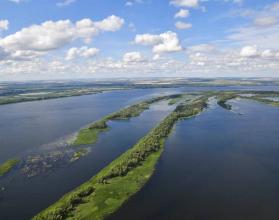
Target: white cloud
x=265 y=21
x=147 y=39
x=65 y=3
x=267 y=54
x=182 y=13
x=132 y=57
x=156 y=57
x=185 y=3
x=249 y=51
x=162 y=43
x=219 y=62
x=84 y=52
x=183 y=25
x=4 y=25
x=51 y=35
x=112 y=23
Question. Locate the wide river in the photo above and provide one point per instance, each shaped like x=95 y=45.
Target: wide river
x=213 y=164
x=220 y=165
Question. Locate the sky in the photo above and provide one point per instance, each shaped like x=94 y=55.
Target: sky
x=82 y=39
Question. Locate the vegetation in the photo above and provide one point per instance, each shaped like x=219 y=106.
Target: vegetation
x=90 y=134
x=112 y=186
x=8 y=166
x=79 y=154
x=264 y=100
x=27 y=97
x=263 y=97
x=260 y=96
x=224 y=97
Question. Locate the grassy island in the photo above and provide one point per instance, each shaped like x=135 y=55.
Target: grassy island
x=90 y=134
x=111 y=187
x=8 y=166
x=44 y=95
x=264 y=100
x=224 y=97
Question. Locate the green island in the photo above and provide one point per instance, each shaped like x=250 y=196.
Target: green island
x=7 y=166
x=90 y=134
x=49 y=94
x=262 y=97
x=224 y=97
x=259 y=96
x=104 y=193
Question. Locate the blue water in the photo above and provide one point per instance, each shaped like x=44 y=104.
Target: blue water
x=25 y=127
x=219 y=165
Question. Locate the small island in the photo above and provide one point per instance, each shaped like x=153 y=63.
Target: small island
x=7 y=166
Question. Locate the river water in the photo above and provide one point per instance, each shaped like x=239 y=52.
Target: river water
x=25 y=127
x=219 y=165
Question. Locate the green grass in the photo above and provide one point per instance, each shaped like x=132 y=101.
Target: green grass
x=87 y=136
x=123 y=177
x=8 y=166
x=79 y=154
x=107 y=198
x=224 y=97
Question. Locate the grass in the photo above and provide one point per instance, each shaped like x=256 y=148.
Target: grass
x=8 y=166
x=108 y=198
x=87 y=136
x=224 y=97
x=111 y=187
x=78 y=154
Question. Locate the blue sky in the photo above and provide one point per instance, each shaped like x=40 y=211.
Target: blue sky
x=47 y=39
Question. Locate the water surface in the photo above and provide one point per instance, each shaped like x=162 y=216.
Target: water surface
x=219 y=165
x=25 y=127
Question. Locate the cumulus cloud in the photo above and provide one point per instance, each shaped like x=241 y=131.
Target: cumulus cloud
x=218 y=62
x=182 y=13
x=132 y=57
x=185 y=3
x=50 y=35
x=84 y=52
x=249 y=51
x=4 y=25
x=162 y=43
x=147 y=39
x=111 y=23
x=183 y=25
x=65 y=3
